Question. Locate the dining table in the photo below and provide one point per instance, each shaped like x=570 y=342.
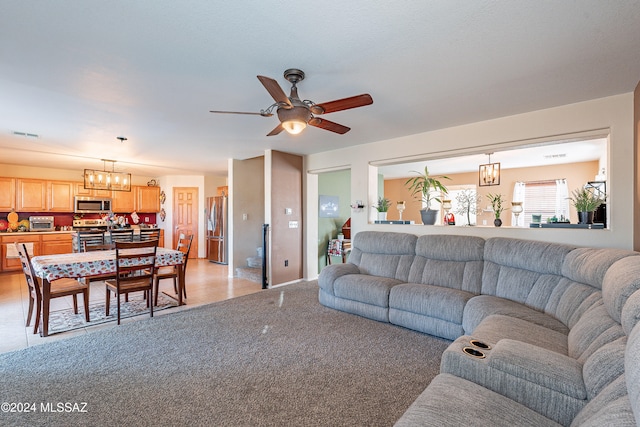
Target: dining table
x=94 y=263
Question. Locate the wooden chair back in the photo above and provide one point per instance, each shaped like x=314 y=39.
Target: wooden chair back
x=89 y=238
x=124 y=235
x=184 y=246
x=149 y=234
x=29 y=273
x=135 y=270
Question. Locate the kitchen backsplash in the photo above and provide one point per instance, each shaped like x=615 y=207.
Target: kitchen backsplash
x=66 y=219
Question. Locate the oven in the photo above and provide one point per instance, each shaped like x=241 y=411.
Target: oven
x=41 y=223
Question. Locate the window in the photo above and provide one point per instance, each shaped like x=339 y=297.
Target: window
x=547 y=198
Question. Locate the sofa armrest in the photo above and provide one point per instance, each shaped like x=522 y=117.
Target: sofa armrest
x=331 y=273
x=539 y=366
x=548 y=382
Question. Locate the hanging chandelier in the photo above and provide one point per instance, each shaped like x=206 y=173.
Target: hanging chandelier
x=489 y=174
x=107 y=180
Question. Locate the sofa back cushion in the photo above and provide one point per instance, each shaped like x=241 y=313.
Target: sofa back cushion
x=383 y=254
x=524 y=271
x=449 y=261
x=621 y=280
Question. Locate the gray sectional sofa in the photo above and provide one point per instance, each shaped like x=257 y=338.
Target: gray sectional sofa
x=542 y=333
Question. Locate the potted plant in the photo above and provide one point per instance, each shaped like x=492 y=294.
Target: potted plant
x=585 y=202
x=382 y=207
x=428 y=188
x=496 y=205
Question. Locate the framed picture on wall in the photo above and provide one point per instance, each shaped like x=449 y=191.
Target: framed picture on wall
x=328 y=206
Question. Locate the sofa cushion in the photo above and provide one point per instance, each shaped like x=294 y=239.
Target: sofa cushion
x=631 y=313
x=450 y=261
x=372 y=290
x=604 y=366
x=430 y=309
x=482 y=306
x=592 y=331
x=621 y=280
x=497 y=326
x=589 y=265
x=383 y=254
x=611 y=407
x=453 y=401
x=632 y=369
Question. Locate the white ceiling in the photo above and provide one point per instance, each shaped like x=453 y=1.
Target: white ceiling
x=80 y=73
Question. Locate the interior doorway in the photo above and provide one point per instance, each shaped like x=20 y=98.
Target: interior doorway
x=185 y=216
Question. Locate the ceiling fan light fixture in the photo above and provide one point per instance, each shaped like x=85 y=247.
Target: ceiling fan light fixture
x=294 y=127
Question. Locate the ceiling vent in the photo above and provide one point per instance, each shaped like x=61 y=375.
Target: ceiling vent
x=555 y=156
x=26 y=135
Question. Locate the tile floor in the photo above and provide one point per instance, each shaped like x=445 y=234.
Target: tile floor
x=206 y=283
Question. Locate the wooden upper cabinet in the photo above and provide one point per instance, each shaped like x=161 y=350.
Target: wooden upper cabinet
x=148 y=199
x=31 y=195
x=7 y=194
x=60 y=196
x=79 y=190
x=123 y=201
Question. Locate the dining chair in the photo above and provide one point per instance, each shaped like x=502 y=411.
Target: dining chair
x=135 y=268
x=59 y=288
x=88 y=238
x=171 y=271
x=98 y=247
x=121 y=235
x=149 y=234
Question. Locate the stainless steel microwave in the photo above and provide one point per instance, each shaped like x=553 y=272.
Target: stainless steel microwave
x=84 y=204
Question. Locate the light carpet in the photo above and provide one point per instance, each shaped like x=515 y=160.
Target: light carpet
x=274 y=358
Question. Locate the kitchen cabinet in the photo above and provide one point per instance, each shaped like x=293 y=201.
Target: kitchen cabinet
x=7 y=194
x=123 y=201
x=10 y=259
x=147 y=199
x=60 y=196
x=31 y=195
x=79 y=190
x=59 y=243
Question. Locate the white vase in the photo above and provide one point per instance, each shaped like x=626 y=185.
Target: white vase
x=382 y=216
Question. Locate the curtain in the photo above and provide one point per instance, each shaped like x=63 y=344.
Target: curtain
x=562 y=199
x=518 y=196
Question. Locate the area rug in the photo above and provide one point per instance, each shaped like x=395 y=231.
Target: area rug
x=66 y=320
x=272 y=358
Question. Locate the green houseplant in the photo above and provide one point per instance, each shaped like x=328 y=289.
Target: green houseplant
x=585 y=202
x=427 y=188
x=496 y=205
x=382 y=207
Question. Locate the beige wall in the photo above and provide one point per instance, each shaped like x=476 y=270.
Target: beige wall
x=246 y=197
x=611 y=117
x=576 y=174
x=285 y=184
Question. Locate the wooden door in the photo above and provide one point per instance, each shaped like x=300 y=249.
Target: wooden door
x=185 y=216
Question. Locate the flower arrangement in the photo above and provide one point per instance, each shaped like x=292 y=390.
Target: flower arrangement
x=110 y=218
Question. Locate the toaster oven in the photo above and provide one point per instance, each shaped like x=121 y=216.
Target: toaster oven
x=41 y=223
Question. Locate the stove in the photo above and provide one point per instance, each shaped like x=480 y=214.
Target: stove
x=89 y=224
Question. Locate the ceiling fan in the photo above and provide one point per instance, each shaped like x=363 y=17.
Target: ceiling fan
x=296 y=114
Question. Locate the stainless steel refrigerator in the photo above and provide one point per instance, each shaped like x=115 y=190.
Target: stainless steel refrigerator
x=217 y=229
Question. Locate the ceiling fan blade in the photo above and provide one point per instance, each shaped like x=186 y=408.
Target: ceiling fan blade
x=327 y=125
x=276 y=130
x=342 y=104
x=274 y=90
x=242 y=112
